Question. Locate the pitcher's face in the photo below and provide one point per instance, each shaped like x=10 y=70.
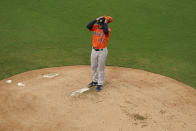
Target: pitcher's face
x=100 y=26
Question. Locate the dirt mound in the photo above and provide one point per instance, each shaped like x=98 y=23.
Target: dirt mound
x=131 y=100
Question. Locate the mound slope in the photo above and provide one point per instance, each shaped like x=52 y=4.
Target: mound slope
x=131 y=100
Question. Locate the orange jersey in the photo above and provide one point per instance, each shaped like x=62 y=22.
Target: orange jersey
x=100 y=40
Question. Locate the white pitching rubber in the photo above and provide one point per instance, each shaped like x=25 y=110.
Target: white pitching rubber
x=50 y=75
x=79 y=91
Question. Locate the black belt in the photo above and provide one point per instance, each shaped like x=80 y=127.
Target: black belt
x=97 y=49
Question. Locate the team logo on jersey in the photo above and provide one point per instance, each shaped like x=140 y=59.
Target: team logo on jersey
x=99 y=34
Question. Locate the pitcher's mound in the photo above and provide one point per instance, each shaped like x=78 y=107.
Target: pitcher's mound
x=131 y=100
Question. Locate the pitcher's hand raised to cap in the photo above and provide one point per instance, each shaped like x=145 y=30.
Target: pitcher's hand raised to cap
x=99 y=17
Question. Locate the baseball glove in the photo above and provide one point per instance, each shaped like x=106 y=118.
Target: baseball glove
x=109 y=18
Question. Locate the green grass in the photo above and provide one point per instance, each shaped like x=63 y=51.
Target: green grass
x=154 y=35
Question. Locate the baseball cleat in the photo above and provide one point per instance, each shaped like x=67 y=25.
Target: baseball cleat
x=92 y=84
x=99 y=87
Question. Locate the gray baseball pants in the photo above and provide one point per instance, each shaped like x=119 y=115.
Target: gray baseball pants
x=98 y=59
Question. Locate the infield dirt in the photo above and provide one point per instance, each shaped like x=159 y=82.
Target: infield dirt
x=130 y=100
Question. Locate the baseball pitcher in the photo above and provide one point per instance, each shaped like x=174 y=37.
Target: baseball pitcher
x=101 y=34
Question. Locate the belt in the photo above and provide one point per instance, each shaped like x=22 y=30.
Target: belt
x=97 y=49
